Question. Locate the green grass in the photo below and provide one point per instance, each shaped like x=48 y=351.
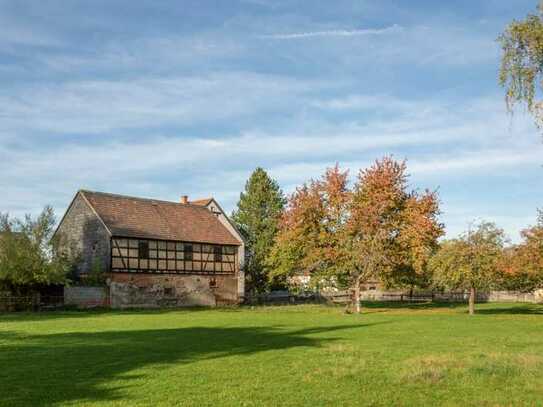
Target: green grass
x=420 y=355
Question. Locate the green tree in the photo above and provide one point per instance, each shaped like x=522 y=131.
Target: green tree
x=470 y=262
x=257 y=215
x=521 y=71
x=28 y=255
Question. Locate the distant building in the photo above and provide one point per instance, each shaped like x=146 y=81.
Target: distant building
x=153 y=252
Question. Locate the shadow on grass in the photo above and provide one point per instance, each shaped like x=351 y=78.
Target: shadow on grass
x=44 y=370
x=480 y=307
x=520 y=309
x=411 y=305
x=83 y=313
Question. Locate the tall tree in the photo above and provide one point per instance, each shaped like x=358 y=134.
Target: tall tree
x=257 y=215
x=379 y=229
x=470 y=262
x=28 y=255
x=309 y=237
x=521 y=71
x=391 y=231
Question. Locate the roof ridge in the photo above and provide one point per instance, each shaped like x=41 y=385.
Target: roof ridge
x=142 y=199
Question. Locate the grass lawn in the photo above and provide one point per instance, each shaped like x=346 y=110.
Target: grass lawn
x=418 y=355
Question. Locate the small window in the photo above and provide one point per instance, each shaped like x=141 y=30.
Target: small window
x=143 y=250
x=188 y=252
x=217 y=253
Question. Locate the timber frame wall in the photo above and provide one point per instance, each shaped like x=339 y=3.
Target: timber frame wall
x=135 y=255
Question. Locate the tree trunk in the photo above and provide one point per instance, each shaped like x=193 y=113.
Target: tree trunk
x=357 y=295
x=472 y=295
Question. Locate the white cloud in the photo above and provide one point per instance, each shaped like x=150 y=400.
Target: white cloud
x=102 y=106
x=335 y=33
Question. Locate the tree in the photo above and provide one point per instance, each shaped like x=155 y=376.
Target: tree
x=257 y=216
x=28 y=255
x=391 y=232
x=378 y=229
x=309 y=236
x=521 y=69
x=470 y=262
x=523 y=263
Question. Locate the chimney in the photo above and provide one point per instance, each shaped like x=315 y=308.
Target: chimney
x=184 y=199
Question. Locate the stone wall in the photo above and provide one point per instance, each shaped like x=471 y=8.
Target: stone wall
x=129 y=290
x=84 y=236
x=86 y=297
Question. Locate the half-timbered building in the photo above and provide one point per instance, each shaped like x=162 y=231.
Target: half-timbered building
x=154 y=252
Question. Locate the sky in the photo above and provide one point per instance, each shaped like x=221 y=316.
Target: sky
x=165 y=98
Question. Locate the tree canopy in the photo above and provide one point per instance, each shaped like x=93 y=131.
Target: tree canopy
x=258 y=211
x=523 y=263
x=521 y=71
x=470 y=262
x=28 y=256
x=377 y=229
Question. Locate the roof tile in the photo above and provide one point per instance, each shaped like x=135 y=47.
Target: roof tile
x=155 y=219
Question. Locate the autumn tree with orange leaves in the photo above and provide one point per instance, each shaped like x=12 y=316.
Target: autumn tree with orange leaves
x=522 y=267
x=310 y=236
x=379 y=229
x=391 y=232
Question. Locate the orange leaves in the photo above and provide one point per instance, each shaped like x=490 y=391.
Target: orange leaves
x=377 y=225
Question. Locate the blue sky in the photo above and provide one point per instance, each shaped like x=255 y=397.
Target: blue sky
x=160 y=99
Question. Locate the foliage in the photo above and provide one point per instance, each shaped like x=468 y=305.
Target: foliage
x=523 y=265
x=28 y=255
x=521 y=69
x=257 y=216
x=391 y=232
x=378 y=229
x=470 y=262
x=96 y=276
x=310 y=236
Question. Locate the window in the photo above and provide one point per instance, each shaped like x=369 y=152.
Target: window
x=143 y=250
x=217 y=253
x=188 y=252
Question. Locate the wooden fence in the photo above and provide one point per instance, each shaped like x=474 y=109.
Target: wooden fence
x=10 y=303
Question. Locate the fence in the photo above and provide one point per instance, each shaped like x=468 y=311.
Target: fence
x=345 y=297
x=10 y=303
x=452 y=296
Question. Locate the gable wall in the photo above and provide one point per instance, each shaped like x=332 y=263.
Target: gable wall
x=214 y=207
x=82 y=234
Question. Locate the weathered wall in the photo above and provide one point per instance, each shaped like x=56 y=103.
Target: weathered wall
x=83 y=235
x=169 y=290
x=214 y=207
x=86 y=297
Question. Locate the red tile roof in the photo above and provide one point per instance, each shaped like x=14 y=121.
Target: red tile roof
x=155 y=219
x=201 y=202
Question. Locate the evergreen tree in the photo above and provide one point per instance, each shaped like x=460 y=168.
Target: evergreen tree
x=258 y=211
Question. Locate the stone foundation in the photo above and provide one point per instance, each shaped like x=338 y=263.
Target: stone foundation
x=131 y=290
